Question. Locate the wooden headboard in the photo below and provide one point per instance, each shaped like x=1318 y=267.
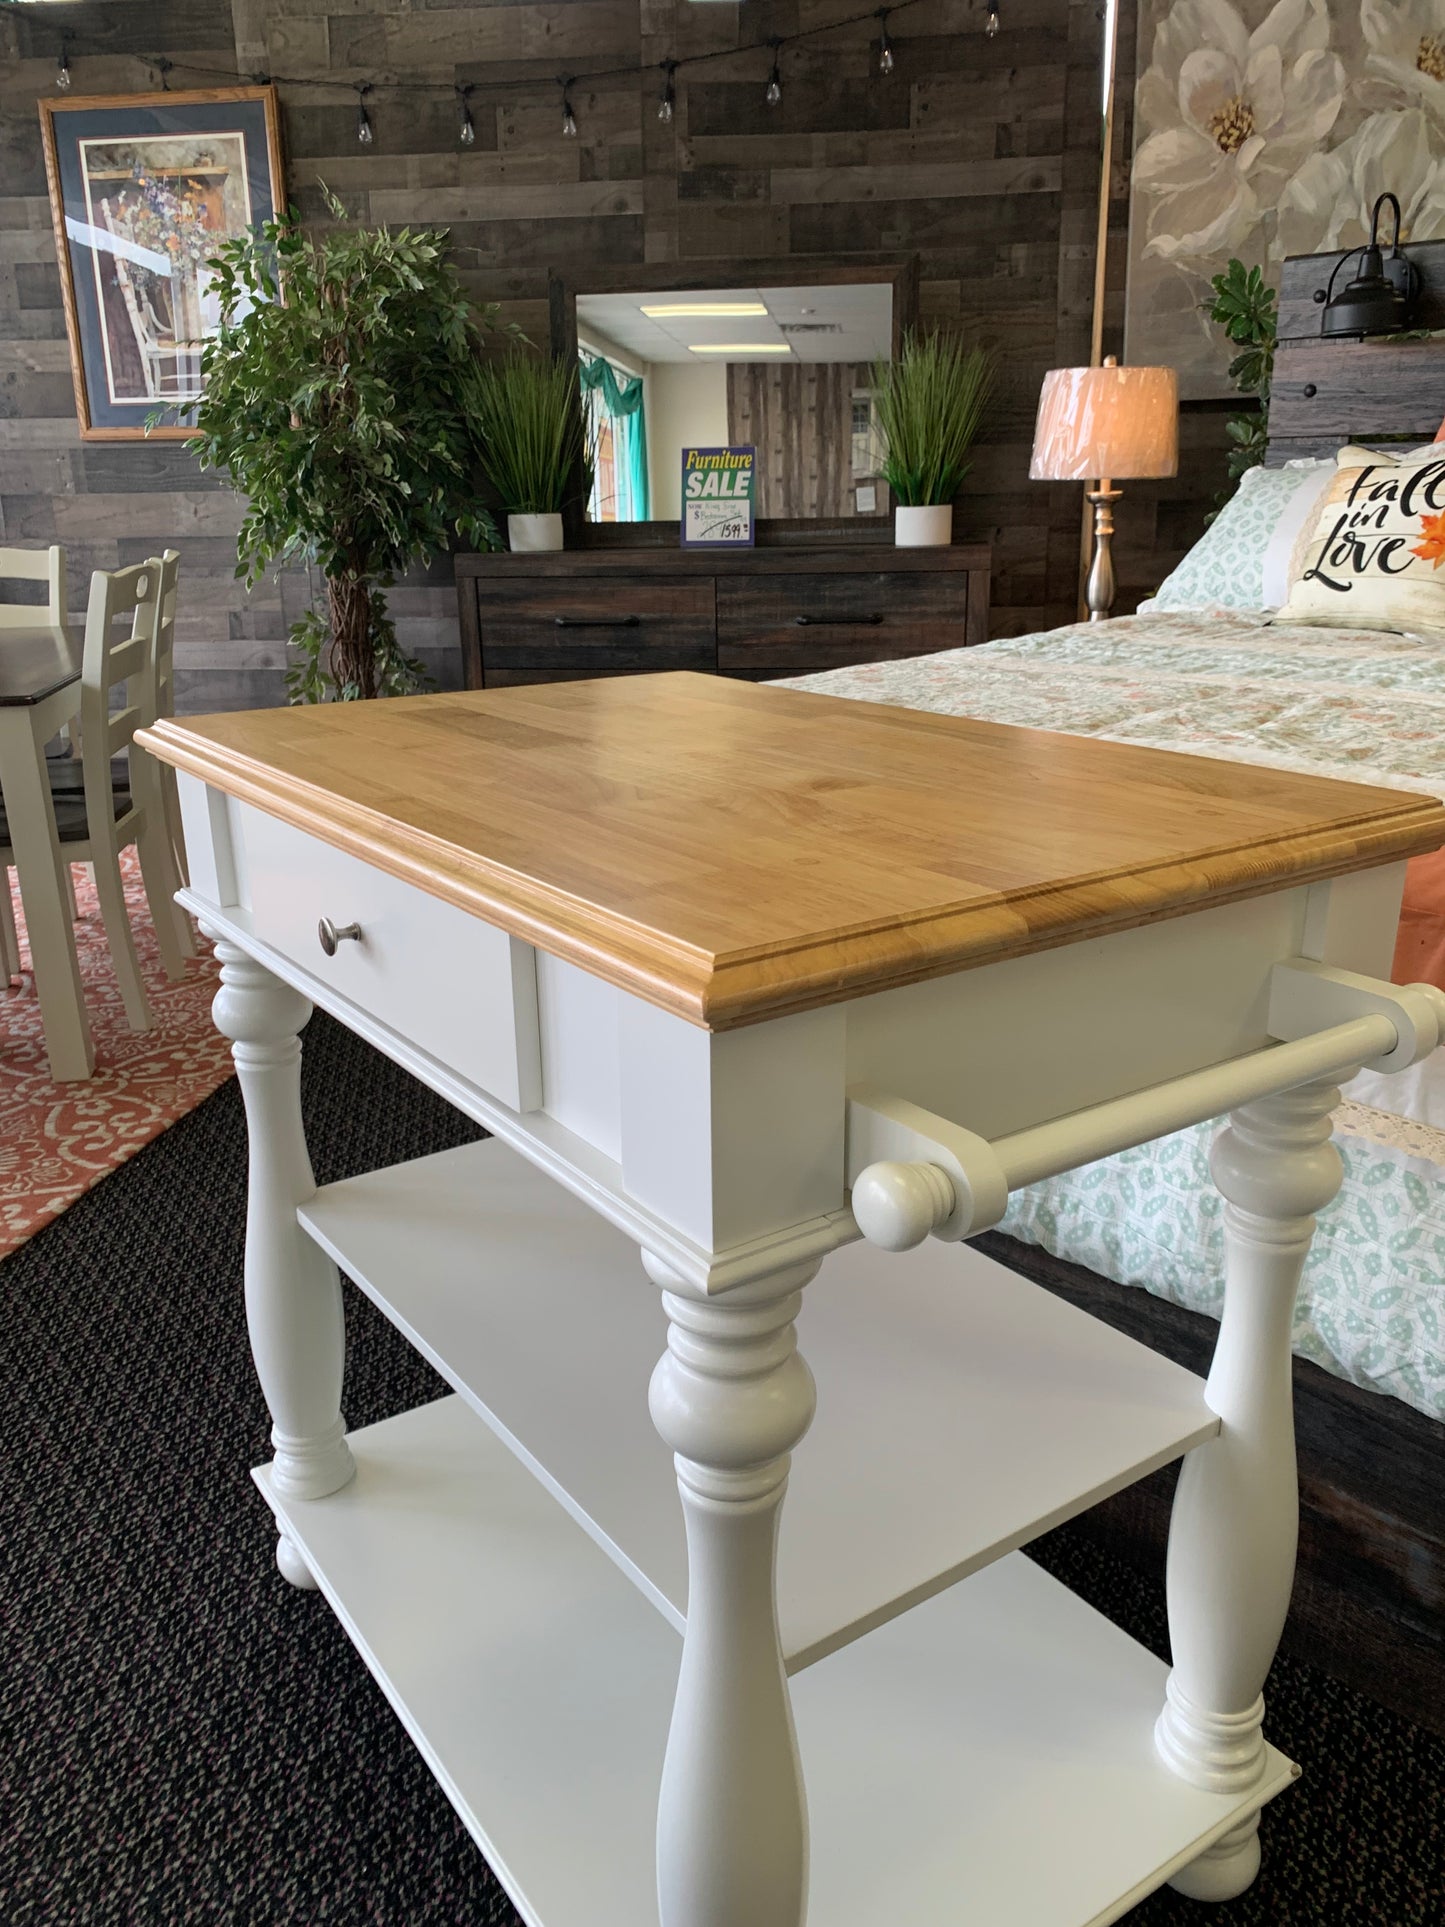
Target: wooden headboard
x=1379 y=390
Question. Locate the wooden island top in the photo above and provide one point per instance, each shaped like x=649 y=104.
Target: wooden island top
x=732 y=852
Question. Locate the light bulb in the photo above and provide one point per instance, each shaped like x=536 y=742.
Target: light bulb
x=363 y=127
x=664 y=106
x=62 y=73
x=467 y=129
x=885 y=59
x=774 y=94
x=569 y=122
x=991 y=26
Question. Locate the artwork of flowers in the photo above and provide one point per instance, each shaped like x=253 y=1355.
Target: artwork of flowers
x=145 y=190
x=1265 y=130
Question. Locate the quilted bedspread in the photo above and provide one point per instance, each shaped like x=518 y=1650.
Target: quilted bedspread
x=1348 y=703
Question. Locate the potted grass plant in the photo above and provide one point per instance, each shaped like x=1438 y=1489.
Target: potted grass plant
x=528 y=413
x=929 y=404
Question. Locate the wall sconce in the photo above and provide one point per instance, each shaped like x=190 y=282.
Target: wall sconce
x=1380 y=298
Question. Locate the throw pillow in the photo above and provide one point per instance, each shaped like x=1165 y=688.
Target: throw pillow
x=1374 y=559
x=1226 y=567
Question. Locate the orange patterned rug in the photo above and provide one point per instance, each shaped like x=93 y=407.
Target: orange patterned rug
x=57 y=1140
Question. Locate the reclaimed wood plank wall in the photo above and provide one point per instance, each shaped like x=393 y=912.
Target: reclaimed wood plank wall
x=799 y=417
x=980 y=154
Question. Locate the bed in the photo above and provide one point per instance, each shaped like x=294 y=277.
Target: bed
x=1361 y=705
x=1357 y=703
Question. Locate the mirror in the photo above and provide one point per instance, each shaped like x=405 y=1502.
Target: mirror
x=783 y=368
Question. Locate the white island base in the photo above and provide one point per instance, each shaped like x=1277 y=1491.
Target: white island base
x=985 y=1758
x=976 y=1742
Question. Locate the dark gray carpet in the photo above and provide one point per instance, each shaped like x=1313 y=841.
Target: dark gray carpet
x=183 y=1738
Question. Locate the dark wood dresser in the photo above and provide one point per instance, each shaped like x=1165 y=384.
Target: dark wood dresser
x=755 y=613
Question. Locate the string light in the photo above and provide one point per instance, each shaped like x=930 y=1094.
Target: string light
x=991 y=24
x=466 y=127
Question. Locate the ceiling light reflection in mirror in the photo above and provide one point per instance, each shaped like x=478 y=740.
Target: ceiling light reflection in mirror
x=831 y=323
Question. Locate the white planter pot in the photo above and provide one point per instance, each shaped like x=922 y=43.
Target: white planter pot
x=929 y=527
x=530 y=533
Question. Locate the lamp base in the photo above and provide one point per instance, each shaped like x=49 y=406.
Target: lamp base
x=1100 y=591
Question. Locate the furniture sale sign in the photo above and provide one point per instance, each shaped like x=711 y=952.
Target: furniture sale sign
x=718 y=492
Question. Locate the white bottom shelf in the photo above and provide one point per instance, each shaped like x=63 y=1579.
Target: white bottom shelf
x=987 y=1758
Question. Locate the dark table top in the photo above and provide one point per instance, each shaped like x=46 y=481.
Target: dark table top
x=35 y=662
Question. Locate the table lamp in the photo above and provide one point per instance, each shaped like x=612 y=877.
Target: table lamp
x=1102 y=425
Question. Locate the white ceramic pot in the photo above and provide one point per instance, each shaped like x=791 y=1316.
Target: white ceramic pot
x=530 y=533
x=927 y=527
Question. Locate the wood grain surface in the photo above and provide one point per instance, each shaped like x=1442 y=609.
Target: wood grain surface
x=731 y=853
x=771 y=611
x=1330 y=391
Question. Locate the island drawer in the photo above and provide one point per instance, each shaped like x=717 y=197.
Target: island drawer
x=459 y=989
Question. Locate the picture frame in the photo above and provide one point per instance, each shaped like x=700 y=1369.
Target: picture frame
x=143 y=188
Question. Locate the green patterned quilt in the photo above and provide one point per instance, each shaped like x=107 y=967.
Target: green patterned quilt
x=1339 y=702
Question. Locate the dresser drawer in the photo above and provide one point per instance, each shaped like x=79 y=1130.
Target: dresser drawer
x=462 y=990
x=781 y=623
x=594 y=625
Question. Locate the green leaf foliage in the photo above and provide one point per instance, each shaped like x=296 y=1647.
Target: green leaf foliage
x=336 y=397
x=929 y=404
x=1247 y=309
x=529 y=413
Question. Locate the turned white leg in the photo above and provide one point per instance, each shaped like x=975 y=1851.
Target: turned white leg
x=732 y=1397
x=293 y=1293
x=1235 y=1524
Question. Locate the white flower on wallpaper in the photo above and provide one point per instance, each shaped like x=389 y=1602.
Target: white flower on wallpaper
x=1270 y=129
x=1405 y=55
x=1234 y=113
x=1328 y=202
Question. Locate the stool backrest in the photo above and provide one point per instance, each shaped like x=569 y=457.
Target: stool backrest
x=118 y=678
x=33 y=565
x=170 y=567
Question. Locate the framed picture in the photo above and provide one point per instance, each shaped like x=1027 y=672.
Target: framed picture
x=144 y=188
x=1263 y=131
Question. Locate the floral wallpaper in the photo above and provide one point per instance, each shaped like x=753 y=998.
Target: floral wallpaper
x=1266 y=130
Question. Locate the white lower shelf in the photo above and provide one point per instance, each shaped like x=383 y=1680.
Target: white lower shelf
x=961 y=1409
x=988 y=1757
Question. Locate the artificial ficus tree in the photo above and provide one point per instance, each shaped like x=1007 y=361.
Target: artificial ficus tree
x=336 y=395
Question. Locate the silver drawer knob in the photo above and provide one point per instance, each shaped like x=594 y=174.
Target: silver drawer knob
x=331 y=934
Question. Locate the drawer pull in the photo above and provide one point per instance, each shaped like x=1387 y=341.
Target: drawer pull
x=837 y=622
x=598 y=622
x=330 y=934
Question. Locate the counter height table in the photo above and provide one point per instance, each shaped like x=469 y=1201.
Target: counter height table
x=757 y=991
x=39 y=693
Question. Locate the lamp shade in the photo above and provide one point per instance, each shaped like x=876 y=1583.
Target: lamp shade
x=1109 y=422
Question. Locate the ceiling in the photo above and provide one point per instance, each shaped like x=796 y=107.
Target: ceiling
x=812 y=324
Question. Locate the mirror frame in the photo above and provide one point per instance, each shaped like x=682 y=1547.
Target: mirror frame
x=899 y=271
